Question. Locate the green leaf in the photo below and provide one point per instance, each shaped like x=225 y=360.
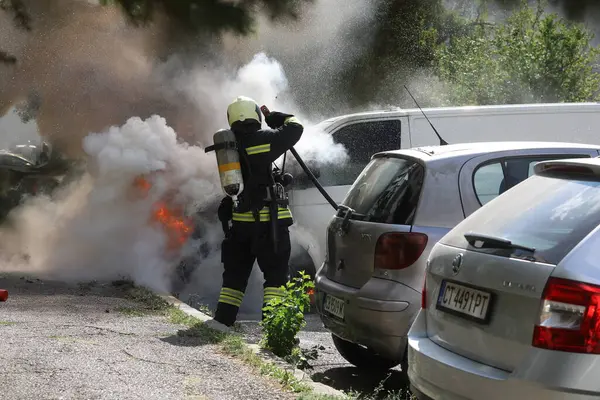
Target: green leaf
x=530 y=58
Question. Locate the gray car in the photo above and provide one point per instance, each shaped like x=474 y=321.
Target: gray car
x=368 y=291
x=511 y=307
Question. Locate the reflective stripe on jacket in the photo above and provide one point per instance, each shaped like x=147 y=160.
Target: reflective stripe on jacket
x=264 y=215
x=263 y=147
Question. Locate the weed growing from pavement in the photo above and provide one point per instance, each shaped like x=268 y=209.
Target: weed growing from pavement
x=7 y=323
x=315 y=396
x=177 y=316
x=234 y=345
x=353 y=396
x=301 y=358
x=147 y=301
x=230 y=343
x=284 y=318
x=379 y=393
x=194 y=302
x=203 y=308
x=399 y=395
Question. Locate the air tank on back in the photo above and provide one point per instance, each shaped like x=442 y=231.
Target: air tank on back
x=228 y=160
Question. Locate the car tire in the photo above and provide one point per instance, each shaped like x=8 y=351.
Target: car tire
x=361 y=357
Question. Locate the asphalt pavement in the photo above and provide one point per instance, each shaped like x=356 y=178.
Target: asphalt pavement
x=60 y=341
x=332 y=369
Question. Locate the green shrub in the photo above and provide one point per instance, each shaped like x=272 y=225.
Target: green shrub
x=284 y=316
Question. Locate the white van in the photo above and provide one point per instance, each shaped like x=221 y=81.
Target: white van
x=365 y=134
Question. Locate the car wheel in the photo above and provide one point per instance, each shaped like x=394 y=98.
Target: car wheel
x=361 y=357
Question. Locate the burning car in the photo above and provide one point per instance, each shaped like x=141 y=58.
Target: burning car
x=181 y=229
x=26 y=169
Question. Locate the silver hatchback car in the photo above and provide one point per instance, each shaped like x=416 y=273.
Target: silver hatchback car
x=368 y=291
x=511 y=307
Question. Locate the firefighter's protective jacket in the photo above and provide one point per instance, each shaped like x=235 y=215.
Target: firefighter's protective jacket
x=258 y=150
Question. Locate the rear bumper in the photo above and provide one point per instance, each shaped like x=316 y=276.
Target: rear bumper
x=380 y=325
x=436 y=373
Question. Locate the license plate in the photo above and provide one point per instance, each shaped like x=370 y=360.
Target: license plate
x=334 y=306
x=464 y=300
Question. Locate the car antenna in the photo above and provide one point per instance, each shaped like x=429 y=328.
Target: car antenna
x=442 y=141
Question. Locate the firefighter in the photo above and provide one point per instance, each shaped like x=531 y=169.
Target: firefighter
x=256 y=228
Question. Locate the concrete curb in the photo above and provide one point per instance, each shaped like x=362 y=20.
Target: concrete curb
x=267 y=356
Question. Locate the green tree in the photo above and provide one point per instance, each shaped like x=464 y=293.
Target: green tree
x=209 y=15
x=404 y=42
x=22 y=20
x=186 y=17
x=574 y=10
x=532 y=57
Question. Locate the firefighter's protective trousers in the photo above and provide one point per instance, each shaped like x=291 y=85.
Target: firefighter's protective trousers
x=246 y=243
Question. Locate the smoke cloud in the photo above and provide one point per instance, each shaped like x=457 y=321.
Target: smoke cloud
x=114 y=95
x=100 y=227
x=315 y=51
x=13 y=131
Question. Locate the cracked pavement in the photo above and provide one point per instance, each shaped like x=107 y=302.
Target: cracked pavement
x=61 y=341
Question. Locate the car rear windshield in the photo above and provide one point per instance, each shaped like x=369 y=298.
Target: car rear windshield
x=550 y=215
x=386 y=191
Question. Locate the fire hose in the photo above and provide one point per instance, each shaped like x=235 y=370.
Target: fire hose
x=265 y=110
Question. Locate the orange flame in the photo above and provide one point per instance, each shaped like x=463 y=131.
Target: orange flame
x=177 y=227
x=142 y=184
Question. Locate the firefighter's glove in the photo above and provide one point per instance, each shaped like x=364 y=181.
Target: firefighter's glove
x=276 y=119
x=225 y=211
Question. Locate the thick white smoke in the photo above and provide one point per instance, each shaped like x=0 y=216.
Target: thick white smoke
x=101 y=227
x=98 y=229
x=263 y=79
x=93 y=228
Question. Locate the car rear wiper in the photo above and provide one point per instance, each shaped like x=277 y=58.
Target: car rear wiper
x=495 y=242
x=348 y=213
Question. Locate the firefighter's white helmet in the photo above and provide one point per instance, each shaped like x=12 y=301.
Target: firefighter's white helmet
x=243 y=109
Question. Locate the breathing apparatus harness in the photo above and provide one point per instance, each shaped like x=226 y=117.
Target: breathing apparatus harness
x=229 y=156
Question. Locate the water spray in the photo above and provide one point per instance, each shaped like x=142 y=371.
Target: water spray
x=265 y=110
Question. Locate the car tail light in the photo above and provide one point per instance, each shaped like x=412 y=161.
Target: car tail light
x=399 y=250
x=570 y=317
x=424 y=295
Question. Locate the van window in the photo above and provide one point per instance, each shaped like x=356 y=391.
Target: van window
x=551 y=215
x=492 y=179
x=387 y=191
x=361 y=140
